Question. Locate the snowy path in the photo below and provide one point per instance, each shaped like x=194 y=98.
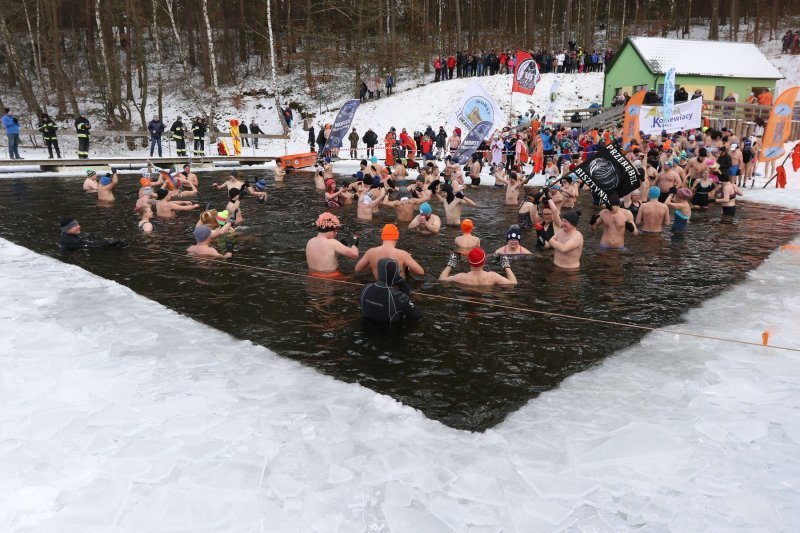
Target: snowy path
x=119 y=414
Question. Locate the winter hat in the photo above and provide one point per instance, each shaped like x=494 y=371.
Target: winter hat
x=572 y=217
x=390 y=233
x=513 y=234
x=476 y=257
x=67 y=224
x=202 y=233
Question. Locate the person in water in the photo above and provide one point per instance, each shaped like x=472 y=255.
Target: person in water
x=388 y=299
x=729 y=193
x=202 y=234
x=90 y=183
x=323 y=250
x=652 y=214
x=146 y=220
x=106 y=186
x=683 y=209
x=567 y=242
x=512 y=246
x=426 y=223
x=477 y=276
x=549 y=225
x=467 y=241
x=72 y=239
x=615 y=222
x=390 y=235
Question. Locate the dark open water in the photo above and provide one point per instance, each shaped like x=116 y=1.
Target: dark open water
x=465 y=365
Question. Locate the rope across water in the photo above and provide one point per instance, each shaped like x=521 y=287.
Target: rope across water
x=503 y=306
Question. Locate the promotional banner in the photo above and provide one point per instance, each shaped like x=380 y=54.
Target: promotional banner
x=551 y=107
x=472 y=141
x=685 y=116
x=342 y=124
x=779 y=125
x=669 y=93
x=527 y=75
x=608 y=171
x=476 y=106
x=630 y=128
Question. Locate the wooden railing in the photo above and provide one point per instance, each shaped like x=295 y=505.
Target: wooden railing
x=210 y=136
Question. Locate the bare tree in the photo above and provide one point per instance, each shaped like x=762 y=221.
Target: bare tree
x=713 y=25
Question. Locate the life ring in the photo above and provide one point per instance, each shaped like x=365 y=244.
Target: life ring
x=297 y=162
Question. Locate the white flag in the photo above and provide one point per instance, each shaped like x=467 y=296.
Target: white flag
x=476 y=106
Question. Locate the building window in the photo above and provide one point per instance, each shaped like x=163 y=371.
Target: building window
x=617 y=91
x=719 y=92
x=637 y=88
x=660 y=90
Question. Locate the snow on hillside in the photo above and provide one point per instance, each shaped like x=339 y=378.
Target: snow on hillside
x=432 y=104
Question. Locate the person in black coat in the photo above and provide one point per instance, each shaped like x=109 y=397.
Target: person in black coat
x=48 y=127
x=388 y=300
x=370 y=139
x=244 y=131
x=72 y=239
x=255 y=130
x=156 y=129
x=179 y=136
x=312 y=138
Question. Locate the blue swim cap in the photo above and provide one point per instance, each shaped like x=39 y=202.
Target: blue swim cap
x=654 y=192
x=373 y=159
x=425 y=208
x=105 y=180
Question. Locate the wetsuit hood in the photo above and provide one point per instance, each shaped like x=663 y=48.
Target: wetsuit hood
x=388 y=272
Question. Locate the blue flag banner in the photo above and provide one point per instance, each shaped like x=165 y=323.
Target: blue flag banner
x=669 y=93
x=472 y=141
x=341 y=125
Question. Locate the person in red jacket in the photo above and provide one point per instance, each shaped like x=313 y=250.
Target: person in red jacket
x=389 y=141
x=451 y=64
x=503 y=58
x=437 y=67
x=411 y=151
x=426 y=146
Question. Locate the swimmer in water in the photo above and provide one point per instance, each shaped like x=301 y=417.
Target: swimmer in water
x=280 y=171
x=729 y=193
x=189 y=176
x=683 y=209
x=404 y=205
x=202 y=234
x=477 y=276
x=166 y=207
x=390 y=235
x=105 y=189
x=388 y=300
x=512 y=246
x=72 y=239
x=90 y=183
x=653 y=215
x=232 y=182
x=615 y=222
x=323 y=250
x=145 y=222
x=371 y=200
x=332 y=194
x=426 y=223
x=567 y=242
x=234 y=206
x=467 y=241
x=217 y=222
x=550 y=224
x=453 y=202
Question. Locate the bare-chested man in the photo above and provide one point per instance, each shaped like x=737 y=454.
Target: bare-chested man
x=615 y=222
x=736 y=171
x=323 y=250
x=390 y=235
x=280 y=171
x=404 y=205
x=668 y=181
x=370 y=201
x=453 y=203
x=166 y=207
x=514 y=184
x=105 y=189
x=697 y=165
x=652 y=214
x=90 y=183
x=189 y=176
x=426 y=223
x=477 y=276
x=567 y=243
x=467 y=241
x=202 y=235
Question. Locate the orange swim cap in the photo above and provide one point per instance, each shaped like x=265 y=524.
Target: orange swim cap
x=467 y=225
x=390 y=233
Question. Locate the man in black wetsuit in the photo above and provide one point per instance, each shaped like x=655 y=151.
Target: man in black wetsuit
x=382 y=302
x=72 y=239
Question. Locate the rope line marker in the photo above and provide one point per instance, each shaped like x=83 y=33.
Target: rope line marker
x=507 y=307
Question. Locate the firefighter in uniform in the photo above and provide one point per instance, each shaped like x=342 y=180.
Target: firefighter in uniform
x=82 y=126
x=48 y=128
x=179 y=136
x=199 y=129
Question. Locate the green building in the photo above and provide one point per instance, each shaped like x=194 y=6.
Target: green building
x=716 y=68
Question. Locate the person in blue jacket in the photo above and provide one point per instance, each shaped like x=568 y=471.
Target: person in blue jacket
x=11 y=124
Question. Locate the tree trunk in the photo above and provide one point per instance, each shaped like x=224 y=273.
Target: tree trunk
x=567 y=21
x=457 y=7
x=530 y=17
x=588 y=27
x=26 y=88
x=213 y=62
x=734 y=33
x=713 y=25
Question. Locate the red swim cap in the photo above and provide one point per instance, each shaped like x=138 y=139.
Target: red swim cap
x=477 y=257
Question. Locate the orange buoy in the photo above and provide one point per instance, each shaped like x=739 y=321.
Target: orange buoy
x=765 y=338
